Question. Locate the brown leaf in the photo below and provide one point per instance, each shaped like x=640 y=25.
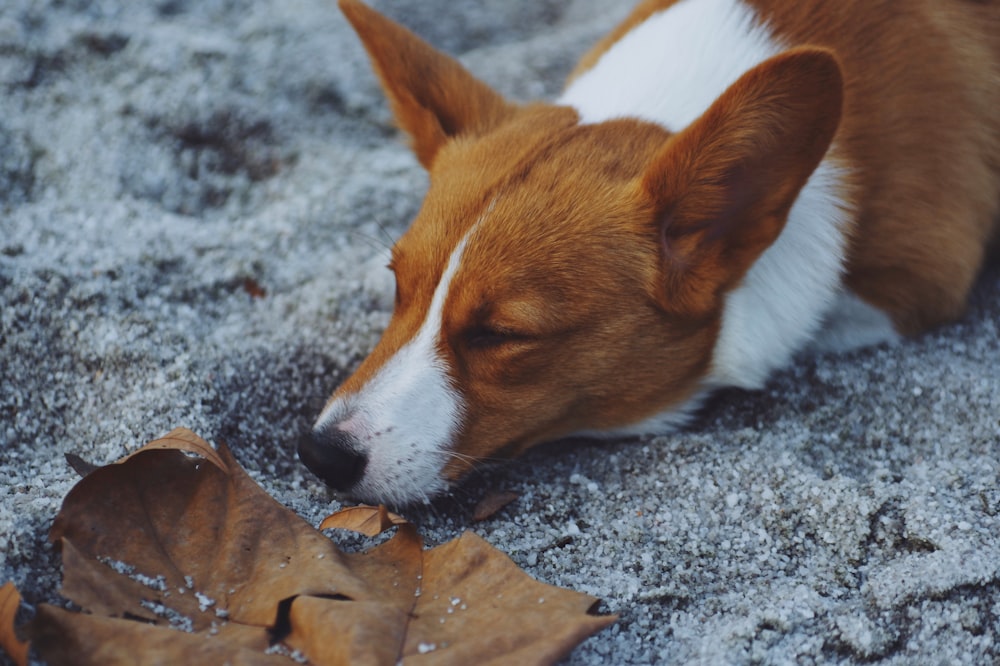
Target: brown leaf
x=182 y=439
x=192 y=543
x=368 y=520
x=10 y=600
x=182 y=559
x=348 y=633
x=253 y=288
x=81 y=638
x=371 y=632
x=477 y=607
x=491 y=503
x=79 y=465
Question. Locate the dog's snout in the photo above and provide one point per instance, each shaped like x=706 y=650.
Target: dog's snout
x=332 y=455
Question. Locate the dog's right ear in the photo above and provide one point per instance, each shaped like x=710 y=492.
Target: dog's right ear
x=432 y=95
x=723 y=187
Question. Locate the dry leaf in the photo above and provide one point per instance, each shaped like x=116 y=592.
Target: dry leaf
x=184 y=559
x=79 y=465
x=478 y=607
x=81 y=638
x=10 y=600
x=475 y=606
x=253 y=288
x=491 y=503
x=368 y=520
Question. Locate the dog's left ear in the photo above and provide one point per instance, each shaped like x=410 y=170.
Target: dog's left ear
x=722 y=188
x=432 y=96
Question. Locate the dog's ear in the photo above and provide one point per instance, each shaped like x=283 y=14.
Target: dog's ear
x=432 y=96
x=722 y=188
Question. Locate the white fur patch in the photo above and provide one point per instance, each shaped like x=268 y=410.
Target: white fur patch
x=668 y=70
x=779 y=306
x=851 y=324
x=404 y=418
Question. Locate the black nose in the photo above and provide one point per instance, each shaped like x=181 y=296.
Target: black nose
x=332 y=455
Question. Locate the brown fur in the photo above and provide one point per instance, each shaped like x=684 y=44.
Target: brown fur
x=672 y=222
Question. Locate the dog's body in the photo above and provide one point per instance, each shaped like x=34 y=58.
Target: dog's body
x=723 y=183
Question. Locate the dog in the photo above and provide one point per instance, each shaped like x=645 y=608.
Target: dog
x=721 y=185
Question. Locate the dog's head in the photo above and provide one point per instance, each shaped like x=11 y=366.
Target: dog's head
x=560 y=277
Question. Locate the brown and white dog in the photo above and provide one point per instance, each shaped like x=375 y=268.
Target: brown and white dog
x=722 y=184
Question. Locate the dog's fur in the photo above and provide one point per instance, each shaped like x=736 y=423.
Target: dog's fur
x=723 y=183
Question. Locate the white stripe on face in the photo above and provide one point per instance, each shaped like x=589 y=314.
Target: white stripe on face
x=405 y=417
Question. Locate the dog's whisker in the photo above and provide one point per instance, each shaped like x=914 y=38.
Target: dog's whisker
x=475 y=463
x=390 y=241
x=377 y=243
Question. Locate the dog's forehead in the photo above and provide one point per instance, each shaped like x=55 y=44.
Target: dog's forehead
x=575 y=193
x=539 y=189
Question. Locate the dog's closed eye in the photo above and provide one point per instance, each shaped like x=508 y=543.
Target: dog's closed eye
x=489 y=336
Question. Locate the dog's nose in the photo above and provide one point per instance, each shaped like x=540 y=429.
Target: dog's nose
x=332 y=455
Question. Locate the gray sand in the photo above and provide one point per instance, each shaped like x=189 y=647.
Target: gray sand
x=158 y=157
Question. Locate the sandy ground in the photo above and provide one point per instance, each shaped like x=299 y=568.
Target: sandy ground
x=157 y=158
